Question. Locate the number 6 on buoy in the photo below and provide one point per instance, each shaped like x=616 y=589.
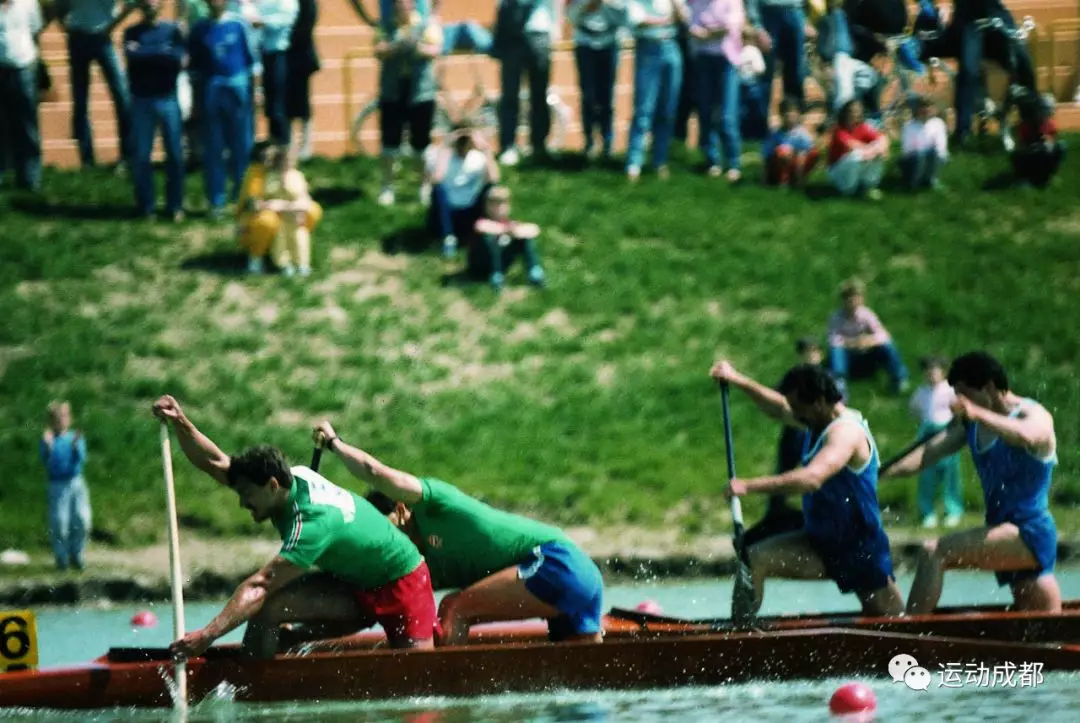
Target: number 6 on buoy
x=18 y=641
x=176 y=574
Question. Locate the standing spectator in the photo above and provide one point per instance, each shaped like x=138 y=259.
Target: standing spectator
x=859 y=344
x=851 y=78
x=924 y=147
x=789 y=153
x=596 y=49
x=275 y=20
x=1040 y=153
x=63 y=452
x=301 y=63
x=406 y=88
x=524 y=33
x=857 y=154
x=90 y=25
x=220 y=54
x=464 y=170
x=657 y=80
x=785 y=23
x=155 y=51
x=503 y=241
x=716 y=28
x=931 y=405
x=193 y=127
x=687 y=89
x=20 y=139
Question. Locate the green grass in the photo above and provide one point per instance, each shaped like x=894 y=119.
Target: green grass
x=586 y=404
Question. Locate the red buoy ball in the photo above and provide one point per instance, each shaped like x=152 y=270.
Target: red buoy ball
x=852 y=698
x=144 y=619
x=649 y=606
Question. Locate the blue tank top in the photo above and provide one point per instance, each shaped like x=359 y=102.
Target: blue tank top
x=1016 y=483
x=844 y=512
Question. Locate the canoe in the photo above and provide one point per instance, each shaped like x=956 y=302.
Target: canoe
x=640 y=651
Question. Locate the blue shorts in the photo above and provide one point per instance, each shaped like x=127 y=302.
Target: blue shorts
x=561 y=575
x=1040 y=536
x=859 y=570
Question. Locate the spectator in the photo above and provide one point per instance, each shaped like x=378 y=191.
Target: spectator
x=687 y=88
x=90 y=25
x=276 y=19
x=857 y=154
x=716 y=30
x=851 y=78
x=193 y=127
x=155 y=51
x=385 y=21
x=220 y=54
x=503 y=241
x=657 y=80
x=931 y=405
x=596 y=49
x=524 y=32
x=1040 y=153
x=785 y=22
x=789 y=153
x=859 y=344
x=406 y=87
x=63 y=452
x=20 y=139
x=463 y=170
x=924 y=147
x=301 y=63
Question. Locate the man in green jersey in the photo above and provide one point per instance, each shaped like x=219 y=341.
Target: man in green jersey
x=503 y=566
x=368 y=571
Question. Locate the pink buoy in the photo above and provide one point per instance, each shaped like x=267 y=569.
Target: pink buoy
x=144 y=619
x=852 y=698
x=649 y=606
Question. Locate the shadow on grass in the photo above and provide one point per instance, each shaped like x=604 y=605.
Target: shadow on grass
x=226 y=263
x=409 y=240
x=1004 y=181
x=336 y=196
x=46 y=208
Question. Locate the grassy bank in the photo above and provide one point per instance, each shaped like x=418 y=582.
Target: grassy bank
x=586 y=404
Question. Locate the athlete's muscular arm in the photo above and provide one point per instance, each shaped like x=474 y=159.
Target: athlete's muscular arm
x=841 y=444
x=393 y=483
x=245 y=604
x=771 y=402
x=948 y=442
x=198 y=448
x=1032 y=429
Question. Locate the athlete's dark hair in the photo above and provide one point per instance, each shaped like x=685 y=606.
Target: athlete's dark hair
x=381 y=502
x=810 y=383
x=805 y=344
x=258 y=464
x=976 y=369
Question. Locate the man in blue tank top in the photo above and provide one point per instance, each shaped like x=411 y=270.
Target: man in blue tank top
x=1014 y=448
x=842 y=538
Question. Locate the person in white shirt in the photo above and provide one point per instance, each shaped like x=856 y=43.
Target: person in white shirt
x=931 y=405
x=462 y=170
x=20 y=140
x=924 y=147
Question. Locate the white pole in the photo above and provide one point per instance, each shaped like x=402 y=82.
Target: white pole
x=174 y=563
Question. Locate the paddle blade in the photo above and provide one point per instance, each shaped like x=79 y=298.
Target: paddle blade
x=742 y=596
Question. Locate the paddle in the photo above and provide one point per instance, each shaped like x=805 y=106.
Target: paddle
x=899 y=456
x=742 y=597
x=180 y=702
x=316 y=457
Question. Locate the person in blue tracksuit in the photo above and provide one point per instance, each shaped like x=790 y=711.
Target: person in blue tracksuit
x=155 y=50
x=842 y=538
x=220 y=54
x=1014 y=448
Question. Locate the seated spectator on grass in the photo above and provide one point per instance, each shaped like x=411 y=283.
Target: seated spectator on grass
x=63 y=451
x=503 y=240
x=463 y=169
x=859 y=344
x=924 y=147
x=789 y=153
x=931 y=405
x=857 y=154
x=1039 y=154
x=406 y=87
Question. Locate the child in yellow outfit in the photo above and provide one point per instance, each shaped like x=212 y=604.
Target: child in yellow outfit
x=276 y=213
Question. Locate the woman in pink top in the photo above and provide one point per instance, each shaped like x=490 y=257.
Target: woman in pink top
x=716 y=42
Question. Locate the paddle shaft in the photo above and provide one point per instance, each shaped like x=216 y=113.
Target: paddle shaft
x=899 y=456
x=736 y=506
x=175 y=572
x=316 y=458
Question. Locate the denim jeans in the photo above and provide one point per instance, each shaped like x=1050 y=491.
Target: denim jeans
x=658 y=66
x=147 y=114
x=785 y=26
x=69 y=520
x=944 y=474
x=468 y=36
x=83 y=49
x=850 y=364
x=718 y=109
x=459 y=222
x=534 y=59
x=20 y=139
x=274 y=75
x=226 y=127
x=920 y=169
x=597 y=68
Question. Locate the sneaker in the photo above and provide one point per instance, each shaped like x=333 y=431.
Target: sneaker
x=386 y=197
x=714 y=172
x=256 y=265
x=953 y=520
x=425 y=194
x=449 y=246
x=510 y=157
x=733 y=176
x=537 y=278
x=304 y=271
x=903 y=386
x=288 y=271
x=178 y=217
x=663 y=173
x=498 y=280
x=929 y=522
x=1009 y=143
x=875 y=194
x=633 y=173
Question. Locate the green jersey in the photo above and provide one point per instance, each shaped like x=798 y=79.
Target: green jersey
x=465 y=540
x=329 y=527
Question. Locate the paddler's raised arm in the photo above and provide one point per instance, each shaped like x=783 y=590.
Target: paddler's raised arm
x=771 y=402
x=395 y=484
x=198 y=448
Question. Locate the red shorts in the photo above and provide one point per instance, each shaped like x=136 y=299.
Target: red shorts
x=405 y=608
